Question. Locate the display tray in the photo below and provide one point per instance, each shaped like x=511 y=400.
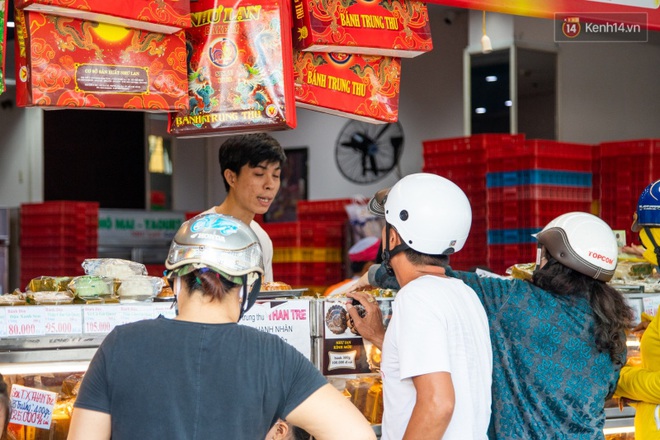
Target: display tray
x=273 y=294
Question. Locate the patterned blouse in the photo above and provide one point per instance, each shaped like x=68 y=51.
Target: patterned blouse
x=549 y=379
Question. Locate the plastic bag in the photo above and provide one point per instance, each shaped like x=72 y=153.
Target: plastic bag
x=113 y=268
x=363 y=223
x=139 y=288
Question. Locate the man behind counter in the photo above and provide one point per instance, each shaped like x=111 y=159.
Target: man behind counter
x=251 y=165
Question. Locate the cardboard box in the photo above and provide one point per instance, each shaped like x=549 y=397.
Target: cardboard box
x=359 y=87
x=162 y=16
x=397 y=28
x=66 y=62
x=239 y=68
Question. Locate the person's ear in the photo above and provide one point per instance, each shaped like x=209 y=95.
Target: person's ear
x=395 y=238
x=230 y=177
x=282 y=430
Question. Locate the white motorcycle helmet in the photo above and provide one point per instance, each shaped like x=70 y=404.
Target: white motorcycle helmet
x=431 y=214
x=583 y=242
x=223 y=244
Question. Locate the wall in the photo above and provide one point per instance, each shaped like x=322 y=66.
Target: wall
x=21 y=153
x=607 y=91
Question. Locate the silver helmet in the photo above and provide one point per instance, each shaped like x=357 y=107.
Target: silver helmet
x=223 y=244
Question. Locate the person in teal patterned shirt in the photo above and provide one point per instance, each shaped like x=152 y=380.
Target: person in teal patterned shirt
x=558 y=341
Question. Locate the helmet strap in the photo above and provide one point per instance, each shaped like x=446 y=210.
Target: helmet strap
x=249 y=298
x=176 y=290
x=656 y=248
x=387 y=253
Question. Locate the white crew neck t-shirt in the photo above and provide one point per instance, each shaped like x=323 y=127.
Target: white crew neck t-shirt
x=438 y=325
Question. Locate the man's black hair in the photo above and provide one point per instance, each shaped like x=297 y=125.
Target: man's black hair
x=250 y=149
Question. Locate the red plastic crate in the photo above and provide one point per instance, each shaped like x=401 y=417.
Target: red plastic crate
x=283 y=234
x=480 y=142
x=516 y=214
x=503 y=256
x=544 y=192
x=59 y=241
x=541 y=154
x=331 y=209
x=63 y=208
x=635 y=147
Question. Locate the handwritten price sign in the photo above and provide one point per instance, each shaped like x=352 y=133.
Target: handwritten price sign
x=32 y=407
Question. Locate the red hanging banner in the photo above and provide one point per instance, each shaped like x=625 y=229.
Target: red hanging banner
x=646 y=13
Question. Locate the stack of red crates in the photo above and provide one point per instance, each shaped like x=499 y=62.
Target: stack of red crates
x=529 y=184
x=308 y=253
x=626 y=168
x=464 y=161
x=515 y=187
x=56 y=237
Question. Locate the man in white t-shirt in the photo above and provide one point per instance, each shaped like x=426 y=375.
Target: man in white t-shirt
x=251 y=165
x=436 y=353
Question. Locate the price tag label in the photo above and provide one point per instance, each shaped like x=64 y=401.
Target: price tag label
x=135 y=312
x=25 y=321
x=100 y=319
x=63 y=320
x=167 y=309
x=31 y=406
x=3 y=322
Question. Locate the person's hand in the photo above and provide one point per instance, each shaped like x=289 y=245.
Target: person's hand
x=371 y=326
x=640 y=328
x=633 y=249
x=362 y=282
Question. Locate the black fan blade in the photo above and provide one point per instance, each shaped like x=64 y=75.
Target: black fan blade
x=374 y=167
x=382 y=131
x=359 y=142
x=396 y=141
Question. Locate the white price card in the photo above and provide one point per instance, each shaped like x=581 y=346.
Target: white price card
x=31 y=406
x=134 y=312
x=167 y=309
x=651 y=304
x=287 y=319
x=25 y=321
x=100 y=319
x=3 y=322
x=63 y=320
